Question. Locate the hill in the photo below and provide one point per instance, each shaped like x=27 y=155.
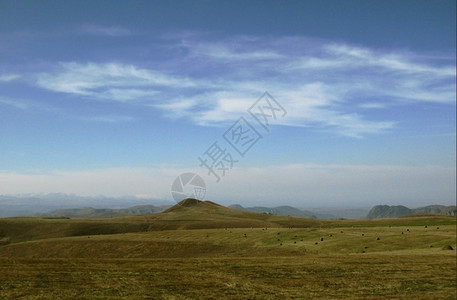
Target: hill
x=188 y=214
x=386 y=211
x=193 y=214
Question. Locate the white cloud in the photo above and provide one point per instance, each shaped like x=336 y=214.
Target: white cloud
x=372 y=105
x=312 y=105
x=300 y=185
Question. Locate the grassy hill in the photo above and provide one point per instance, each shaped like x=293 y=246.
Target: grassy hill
x=188 y=214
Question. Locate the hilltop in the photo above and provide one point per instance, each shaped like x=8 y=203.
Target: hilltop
x=195 y=204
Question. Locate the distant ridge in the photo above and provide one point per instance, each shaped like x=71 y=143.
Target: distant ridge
x=386 y=211
x=102 y=213
x=279 y=210
x=187 y=205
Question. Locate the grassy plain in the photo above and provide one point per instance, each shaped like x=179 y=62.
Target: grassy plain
x=193 y=252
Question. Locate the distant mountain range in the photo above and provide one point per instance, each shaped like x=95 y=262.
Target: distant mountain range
x=101 y=213
x=33 y=204
x=90 y=212
x=378 y=211
x=72 y=206
x=386 y=211
x=315 y=213
x=279 y=210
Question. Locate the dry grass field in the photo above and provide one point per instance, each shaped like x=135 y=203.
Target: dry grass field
x=205 y=251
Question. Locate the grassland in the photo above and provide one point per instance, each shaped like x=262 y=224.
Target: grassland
x=206 y=251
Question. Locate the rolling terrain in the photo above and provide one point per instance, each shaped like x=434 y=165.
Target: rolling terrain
x=199 y=249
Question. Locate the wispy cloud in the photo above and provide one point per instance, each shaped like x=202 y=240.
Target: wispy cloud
x=312 y=106
x=222 y=51
x=111 y=81
x=19 y=104
x=322 y=84
x=356 y=57
x=372 y=105
x=9 y=77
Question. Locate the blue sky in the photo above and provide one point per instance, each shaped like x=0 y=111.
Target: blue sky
x=118 y=98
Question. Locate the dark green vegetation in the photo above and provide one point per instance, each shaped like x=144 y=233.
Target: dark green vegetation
x=204 y=250
x=386 y=211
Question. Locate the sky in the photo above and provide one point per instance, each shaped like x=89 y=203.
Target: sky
x=303 y=103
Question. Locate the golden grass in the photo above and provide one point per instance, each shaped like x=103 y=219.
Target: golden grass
x=137 y=258
x=306 y=277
